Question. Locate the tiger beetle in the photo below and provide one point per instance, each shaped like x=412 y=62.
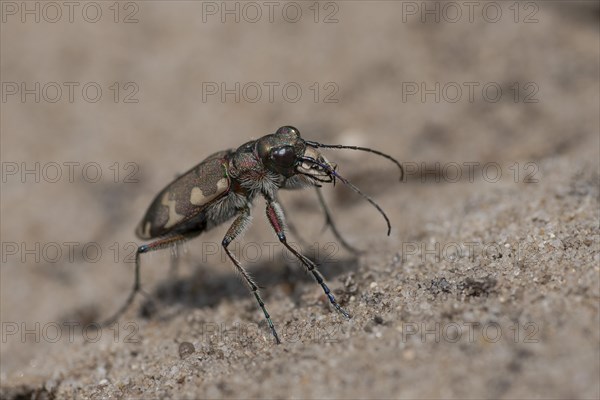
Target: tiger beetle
x=224 y=185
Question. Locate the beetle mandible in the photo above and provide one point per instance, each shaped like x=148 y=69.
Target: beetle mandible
x=224 y=185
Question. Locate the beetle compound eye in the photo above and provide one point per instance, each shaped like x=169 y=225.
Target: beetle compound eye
x=283 y=156
x=288 y=130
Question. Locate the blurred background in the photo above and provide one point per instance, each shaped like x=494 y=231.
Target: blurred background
x=104 y=103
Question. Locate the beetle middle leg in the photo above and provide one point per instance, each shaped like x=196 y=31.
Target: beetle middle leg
x=276 y=218
x=292 y=228
x=145 y=248
x=236 y=229
x=329 y=222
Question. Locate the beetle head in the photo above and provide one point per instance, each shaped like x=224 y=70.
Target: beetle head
x=285 y=152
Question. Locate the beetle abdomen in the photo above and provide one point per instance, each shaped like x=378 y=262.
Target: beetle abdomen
x=186 y=197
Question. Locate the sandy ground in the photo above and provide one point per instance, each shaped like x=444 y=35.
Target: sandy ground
x=488 y=285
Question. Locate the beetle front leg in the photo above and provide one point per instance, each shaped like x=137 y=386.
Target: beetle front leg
x=292 y=228
x=276 y=218
x=236 y=229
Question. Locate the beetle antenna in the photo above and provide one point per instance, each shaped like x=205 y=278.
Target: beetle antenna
x=335 y=174
x=340 y=146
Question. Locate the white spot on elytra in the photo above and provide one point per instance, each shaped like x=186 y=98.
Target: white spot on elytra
x=174 y=218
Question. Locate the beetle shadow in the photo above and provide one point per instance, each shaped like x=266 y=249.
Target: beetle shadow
x=204 y=288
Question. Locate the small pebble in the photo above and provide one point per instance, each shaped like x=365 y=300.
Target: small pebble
x=409 y=355
x=185 y=349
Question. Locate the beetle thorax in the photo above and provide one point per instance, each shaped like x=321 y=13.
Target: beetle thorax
x=252 y=175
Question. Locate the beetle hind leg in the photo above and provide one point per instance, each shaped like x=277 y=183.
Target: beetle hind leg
x=145 y=248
